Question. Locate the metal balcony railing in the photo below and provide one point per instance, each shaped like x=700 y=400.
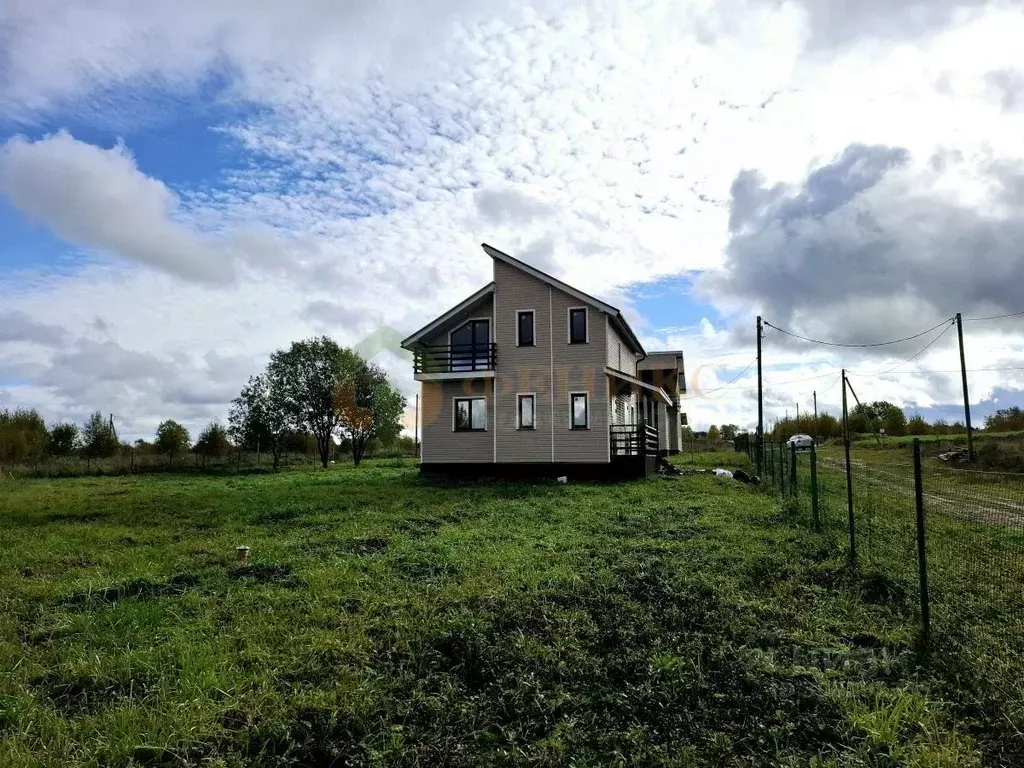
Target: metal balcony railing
x=457 y=358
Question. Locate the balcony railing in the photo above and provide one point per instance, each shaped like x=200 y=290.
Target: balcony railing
x=634 y=439
x=457 y=358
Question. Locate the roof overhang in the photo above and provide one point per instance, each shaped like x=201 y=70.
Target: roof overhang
x=658 y=391
x=613 y=312
x=438 y=323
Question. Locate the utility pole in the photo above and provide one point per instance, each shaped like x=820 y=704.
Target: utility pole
x=760 y=399
x=967 y=399
x=849 y=478
x=798 y=415
x=815 y=435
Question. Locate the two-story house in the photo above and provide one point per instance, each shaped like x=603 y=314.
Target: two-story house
x=532 y=377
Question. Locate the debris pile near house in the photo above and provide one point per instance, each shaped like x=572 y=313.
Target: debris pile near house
x=728 y=474
x=737 y=474
x=743 y=477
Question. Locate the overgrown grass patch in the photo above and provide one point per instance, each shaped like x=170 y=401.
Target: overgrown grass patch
x=388 y=620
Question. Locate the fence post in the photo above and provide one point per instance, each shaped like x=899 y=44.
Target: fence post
x=922 y=561
x=814 y=487
x=849 y=475
x=781 y=469
x=793 y=488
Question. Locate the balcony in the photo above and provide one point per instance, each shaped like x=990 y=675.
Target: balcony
x=454 y=361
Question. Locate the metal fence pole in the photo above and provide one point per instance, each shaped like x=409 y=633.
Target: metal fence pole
x=849 y=475
x=792 y=471
x=922 y=561
x=814 y=487
x=782 y=470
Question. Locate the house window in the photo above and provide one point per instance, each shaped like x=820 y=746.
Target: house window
x=578 y=325
x=580 y=411
x=526 y=412
x=524 y=328
x=470 y=414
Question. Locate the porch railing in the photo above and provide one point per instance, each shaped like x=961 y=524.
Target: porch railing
x=457 y=358
x=634 y=439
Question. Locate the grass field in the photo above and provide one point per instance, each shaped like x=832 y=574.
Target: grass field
x=904 y=441
x=388 y=620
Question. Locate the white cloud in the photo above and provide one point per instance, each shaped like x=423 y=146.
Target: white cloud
x=599 y=141
x=98 y=198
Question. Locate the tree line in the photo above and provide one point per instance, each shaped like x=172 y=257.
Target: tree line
x=888 y=418
x=866 y=418
x=315 y=395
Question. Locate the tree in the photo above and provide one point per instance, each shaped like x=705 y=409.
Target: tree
x=22 y=435
x=63 y=439
x=894 y=421
x=368 y=407
x=881 y=414
x=144 y=448
x=916 y=425
x=99 y=438
x=259 y=418
x=713 y=433
x=1005 y=420
x=729 y=431
x=213 y=441
x=172 y=438
x=311 y=372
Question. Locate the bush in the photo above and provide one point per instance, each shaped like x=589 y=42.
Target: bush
x=213 y=441
x=1001 y=455
x=22 y=436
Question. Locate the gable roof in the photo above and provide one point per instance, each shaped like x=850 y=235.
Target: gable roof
x=613 y=313
x=462 y=306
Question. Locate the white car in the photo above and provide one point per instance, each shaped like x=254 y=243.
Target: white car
x=800 y=442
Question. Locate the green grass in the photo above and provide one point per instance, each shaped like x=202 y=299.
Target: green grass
x=388 y=620
x=903 y=441
x=711 y=459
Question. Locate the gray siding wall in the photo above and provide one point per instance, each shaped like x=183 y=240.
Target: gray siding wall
x=522 y=369
x=486 y=309
x=550 y=369
x=440 y=442
x=620 y=407
x=620 y=356
x=580 y=367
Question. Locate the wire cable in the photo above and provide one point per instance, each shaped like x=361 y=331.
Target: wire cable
x=913 y=357
x=949 y=370
x=992 y=317
x=860 y=346
x=723 y=386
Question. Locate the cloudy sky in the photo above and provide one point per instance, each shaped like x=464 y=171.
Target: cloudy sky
x=187 y=186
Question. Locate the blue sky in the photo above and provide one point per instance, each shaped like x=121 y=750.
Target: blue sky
x=185 y=188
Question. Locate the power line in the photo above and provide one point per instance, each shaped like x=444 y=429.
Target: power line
x=916 y=355
x=767 y=384
x=993 y=317
x=949 y=370
x=723 y=386
x=861 y=346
